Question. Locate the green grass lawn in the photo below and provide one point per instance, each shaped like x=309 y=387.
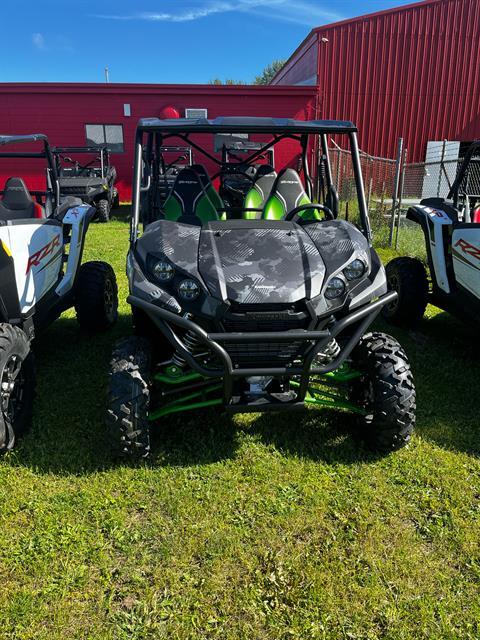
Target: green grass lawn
x=261 y=527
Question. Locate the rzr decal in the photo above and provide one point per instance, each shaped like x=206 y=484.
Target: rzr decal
x=468 y=248
x=36 y=258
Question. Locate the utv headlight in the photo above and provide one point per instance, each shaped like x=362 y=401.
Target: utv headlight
x=163 y=270
x=188 y=289
x=335 y=289
x=355 y=269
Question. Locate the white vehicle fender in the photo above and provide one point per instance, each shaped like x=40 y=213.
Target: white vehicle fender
x=436 y=221
x=78 y=218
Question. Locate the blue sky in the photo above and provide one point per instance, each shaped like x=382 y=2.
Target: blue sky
x=165 y=41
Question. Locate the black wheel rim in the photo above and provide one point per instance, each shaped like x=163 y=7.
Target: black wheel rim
x=109 y=299
x=12 y=388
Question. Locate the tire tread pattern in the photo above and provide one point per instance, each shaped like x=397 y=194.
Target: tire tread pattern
x=103 y=210
x=89 y=295
x=14 y=340
x=128 y=398
x=390 y=424
x=411 y=276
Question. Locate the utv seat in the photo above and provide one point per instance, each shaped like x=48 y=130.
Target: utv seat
x=287 y=193
x=258 y=195
x=208 y=186
x=17 y=203
x=188 y=201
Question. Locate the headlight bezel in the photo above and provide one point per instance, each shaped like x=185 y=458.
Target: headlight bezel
x=168 y=266
x=196 y=288
x=171 y=285
x=341 y=291
x=358 y=274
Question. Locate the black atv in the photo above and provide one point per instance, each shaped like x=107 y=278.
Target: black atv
x=93 y=182
x=266 y=310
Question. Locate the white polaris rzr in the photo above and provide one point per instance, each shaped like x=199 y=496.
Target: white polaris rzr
x=452 y=235
x=41 y=244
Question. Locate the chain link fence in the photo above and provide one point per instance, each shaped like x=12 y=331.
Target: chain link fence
x=392 y=185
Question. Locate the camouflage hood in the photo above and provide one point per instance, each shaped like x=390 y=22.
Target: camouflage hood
x=259 y=262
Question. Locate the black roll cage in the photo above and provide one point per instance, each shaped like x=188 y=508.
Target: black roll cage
x=158 y=131
x=46 y=154
x=454 y=192
x=101 y=150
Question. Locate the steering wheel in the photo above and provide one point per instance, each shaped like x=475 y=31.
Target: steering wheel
x=84 y=167
x=294 y=213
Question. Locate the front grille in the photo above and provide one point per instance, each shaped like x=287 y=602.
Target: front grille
x=270 y=353
x=80 y=191
x=272 y=319
x=265 y=324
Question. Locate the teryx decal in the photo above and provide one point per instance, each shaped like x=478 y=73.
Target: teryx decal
x=36 y=258
x=468 y=248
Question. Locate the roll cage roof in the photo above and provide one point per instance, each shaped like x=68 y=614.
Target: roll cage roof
x=80 y=149
x=29 y=137
x=46 y=153
x=32 y=137
x=246 y=125
x=157 y=131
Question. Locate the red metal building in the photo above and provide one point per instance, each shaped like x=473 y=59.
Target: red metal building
x=67 y=112
x=411 y=72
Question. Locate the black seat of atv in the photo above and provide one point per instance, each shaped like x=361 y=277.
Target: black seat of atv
x=17 y=203
x=208 y=186
x=188 y=200
x=259 y=193
x=287 y=194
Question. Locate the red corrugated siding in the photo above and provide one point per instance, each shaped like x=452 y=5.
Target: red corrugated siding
x=301 y=68
x=413 y=72
x=62 y=110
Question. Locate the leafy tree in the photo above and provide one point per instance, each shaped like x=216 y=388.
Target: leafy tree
x=226 y=81
x=269 y=72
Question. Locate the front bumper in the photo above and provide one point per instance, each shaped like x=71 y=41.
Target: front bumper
x=360 y=319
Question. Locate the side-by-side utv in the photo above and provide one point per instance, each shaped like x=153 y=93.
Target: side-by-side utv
x=451 y=228
x=264 y=310
x=92 y=181
x=41 y=273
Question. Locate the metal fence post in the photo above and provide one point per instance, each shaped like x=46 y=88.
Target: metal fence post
x=400 y=196
x=339 y=160
x=396 y=182
x=370 y=185
x=442 y=161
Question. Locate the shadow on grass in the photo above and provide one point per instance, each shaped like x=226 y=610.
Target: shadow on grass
x=68 y=435
x=445 y=357
x=121 y=213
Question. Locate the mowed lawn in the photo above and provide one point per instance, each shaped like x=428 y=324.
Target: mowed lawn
x=257 y=527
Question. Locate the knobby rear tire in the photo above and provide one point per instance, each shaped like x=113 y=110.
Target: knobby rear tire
x=96 y=296
x=408 y=277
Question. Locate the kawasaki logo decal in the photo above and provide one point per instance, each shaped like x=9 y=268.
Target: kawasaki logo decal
x=36 y=258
